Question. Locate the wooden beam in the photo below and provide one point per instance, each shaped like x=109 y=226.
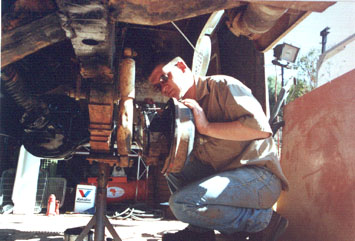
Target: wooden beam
x=25 y=40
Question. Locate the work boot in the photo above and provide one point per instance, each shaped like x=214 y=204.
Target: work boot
x=273 y=231
x=189 y=235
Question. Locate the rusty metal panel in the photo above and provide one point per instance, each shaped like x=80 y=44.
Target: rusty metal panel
x=92 y=34
x=318 y=158
x=101 y=117
x=100 y=114
x=164 y=11
x=98 y=138
x=99 y=146
x=160 y=12
x=102 y=126
x=100 y=132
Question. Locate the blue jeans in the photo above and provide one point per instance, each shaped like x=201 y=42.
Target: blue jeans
x=231 y=201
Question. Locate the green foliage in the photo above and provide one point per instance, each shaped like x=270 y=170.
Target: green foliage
x=297 y=90
x=305 y=81
x=307 y=68
x=271 y=80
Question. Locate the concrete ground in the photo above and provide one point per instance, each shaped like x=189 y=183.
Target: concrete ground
x=40 y=227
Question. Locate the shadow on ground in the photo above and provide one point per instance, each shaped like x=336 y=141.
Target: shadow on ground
x=13 y=234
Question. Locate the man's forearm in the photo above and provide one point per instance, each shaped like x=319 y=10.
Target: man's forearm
x=234 y=130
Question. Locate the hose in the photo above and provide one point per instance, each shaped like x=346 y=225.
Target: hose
x=138 y=214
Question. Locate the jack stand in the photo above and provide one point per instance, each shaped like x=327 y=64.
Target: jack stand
x=99 y=220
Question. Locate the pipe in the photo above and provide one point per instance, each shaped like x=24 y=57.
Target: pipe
x=125 y=114
x=256 y=19
x=101 y=202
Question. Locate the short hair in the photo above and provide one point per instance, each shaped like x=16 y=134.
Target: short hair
x=162 y=57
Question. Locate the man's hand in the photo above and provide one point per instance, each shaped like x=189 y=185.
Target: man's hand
x=201 y=121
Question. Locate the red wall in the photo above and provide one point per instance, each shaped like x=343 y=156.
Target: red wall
x=318 y=157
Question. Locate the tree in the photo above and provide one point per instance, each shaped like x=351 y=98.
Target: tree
x=298 y=89
x=271 y=81
x=304 y=82
x=307 y=68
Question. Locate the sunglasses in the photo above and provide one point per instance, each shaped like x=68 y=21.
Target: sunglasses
x=162 y=80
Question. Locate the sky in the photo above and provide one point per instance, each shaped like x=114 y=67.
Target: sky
x=340 y=18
